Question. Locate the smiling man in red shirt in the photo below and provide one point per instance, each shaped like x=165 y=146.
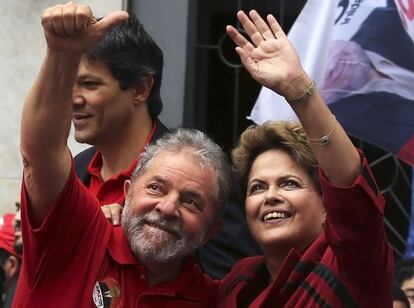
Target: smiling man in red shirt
x=116 y=102
x=73 y=257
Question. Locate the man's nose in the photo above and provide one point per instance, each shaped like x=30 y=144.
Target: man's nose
x=169 y=206
x=77 y=97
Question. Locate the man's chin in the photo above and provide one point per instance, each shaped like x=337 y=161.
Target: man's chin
x=81 y=138
x=156 y=245
x=161 y=252
x=156 y=232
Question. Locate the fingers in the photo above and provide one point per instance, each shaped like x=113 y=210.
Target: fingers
x=276 y=28
x=83 y=18
x=246 y=60
x=257 y=29
x=113 y=213
x=250 y=28
x=66 y=20
x=116 y=211
x=109 y=21
x=239 y=39
x=107 y=211
x=71 y=19
x=261 y=26
x=57 y=22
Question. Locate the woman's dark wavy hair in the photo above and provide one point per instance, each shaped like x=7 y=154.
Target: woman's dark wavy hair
x=131 y=55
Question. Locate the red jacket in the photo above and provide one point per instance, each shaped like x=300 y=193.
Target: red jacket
x=77 y=259
x=349 y=265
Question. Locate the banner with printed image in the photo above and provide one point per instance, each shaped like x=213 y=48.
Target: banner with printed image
x=361 y=54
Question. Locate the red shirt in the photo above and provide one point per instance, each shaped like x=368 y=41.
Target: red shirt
x=77 y=258
x=349 y=265
x=112 y=190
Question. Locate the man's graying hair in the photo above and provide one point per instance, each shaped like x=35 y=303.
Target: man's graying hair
x=202 y=147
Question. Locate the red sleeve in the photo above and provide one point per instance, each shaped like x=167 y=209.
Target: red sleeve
x=355 y=229
x=73 y=233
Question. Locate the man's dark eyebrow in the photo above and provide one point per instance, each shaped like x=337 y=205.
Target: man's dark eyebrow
x=85 y=76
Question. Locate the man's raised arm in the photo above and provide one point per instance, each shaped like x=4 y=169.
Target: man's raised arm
x=69 y=30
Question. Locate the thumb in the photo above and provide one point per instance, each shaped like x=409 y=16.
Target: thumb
x=109 y=21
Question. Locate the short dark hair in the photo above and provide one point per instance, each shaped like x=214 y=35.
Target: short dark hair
x=404 y=269
x=131 y=55
x=399 y=295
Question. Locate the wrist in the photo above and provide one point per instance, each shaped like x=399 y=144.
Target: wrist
x=299 y=89
x=62 y=59
x=63 y=54
x=308 y=92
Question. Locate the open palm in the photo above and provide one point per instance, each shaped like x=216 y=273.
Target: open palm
x=269 y=57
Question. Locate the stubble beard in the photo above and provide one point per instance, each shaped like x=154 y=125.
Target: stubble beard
x=165 y=241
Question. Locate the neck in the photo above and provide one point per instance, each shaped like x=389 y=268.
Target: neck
x=119 y=153
x=161 y=272
x=275 y=254
x=274 y=259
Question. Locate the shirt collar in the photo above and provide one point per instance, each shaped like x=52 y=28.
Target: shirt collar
x=95 y=165
x=191 y=284
x=118 y=247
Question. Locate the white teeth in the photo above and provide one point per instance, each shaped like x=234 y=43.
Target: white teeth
x=274 y=215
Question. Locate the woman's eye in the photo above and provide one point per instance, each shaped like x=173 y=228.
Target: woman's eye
x=290 y=184
x=255 y=188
